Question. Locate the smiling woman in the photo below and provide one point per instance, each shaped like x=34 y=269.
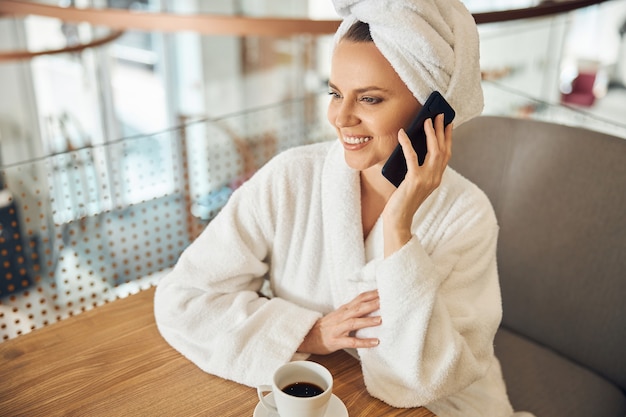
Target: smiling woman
x=369 y=104
x=407 y=276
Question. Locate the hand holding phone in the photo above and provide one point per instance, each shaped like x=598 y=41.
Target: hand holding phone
x=395 y=168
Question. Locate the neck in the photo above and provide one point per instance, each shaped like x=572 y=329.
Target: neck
x=373 y=183
x=375 y=191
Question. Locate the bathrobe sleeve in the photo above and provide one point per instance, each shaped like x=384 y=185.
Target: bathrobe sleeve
x=440 y=304
x=208 y=307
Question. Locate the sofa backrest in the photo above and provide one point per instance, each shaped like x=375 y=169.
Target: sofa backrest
x=559 y=194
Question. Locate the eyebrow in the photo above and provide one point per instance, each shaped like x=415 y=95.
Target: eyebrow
x=362 y=89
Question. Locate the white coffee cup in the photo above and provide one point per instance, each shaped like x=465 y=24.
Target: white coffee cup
x=295 y=378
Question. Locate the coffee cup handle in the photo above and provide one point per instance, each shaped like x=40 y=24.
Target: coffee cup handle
x=261 y=389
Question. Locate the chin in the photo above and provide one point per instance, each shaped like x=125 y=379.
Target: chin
x=358 y=164
x=352 y=162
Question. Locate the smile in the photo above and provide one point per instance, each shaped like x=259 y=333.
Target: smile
x=351 y=140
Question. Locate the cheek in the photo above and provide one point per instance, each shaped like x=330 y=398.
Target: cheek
x=388 y=143
x=330 y=115
x=388 y=132
x=390 y=123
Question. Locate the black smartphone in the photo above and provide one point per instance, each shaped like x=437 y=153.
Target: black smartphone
x=395 y=167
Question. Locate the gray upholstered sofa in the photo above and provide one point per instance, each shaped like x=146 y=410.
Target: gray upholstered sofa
x=560 y=197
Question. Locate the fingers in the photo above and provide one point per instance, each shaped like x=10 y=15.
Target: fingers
x=337 y=329
x=438 y=143
x=438 y=139
x=448 y=138
x=363 y=304
x=434 y=133
x=354 y=315
x=407 y=149
x=358 y=343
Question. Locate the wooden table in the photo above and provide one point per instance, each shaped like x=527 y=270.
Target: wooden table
x=111 y=361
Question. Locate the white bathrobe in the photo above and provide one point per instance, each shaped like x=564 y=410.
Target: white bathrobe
x=297 y=222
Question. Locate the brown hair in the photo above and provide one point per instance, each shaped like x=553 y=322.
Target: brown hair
x=358 y=32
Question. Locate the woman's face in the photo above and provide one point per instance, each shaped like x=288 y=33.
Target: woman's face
x=369 y=104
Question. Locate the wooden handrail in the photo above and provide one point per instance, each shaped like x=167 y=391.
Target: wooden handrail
x=210 y=24
x=24 y=54
x=213 y=24
x=544 y=8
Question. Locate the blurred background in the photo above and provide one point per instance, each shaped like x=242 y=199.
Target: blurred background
x=114 y=157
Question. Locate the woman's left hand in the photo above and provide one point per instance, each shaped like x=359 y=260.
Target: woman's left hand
x=419 y=183
x=336 y=330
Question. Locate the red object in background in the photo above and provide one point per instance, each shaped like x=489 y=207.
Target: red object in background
x=582 y=90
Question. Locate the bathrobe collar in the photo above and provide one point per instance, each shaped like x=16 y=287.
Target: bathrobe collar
x=341 y=211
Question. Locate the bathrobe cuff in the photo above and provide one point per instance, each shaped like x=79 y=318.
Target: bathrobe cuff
x=405 y=265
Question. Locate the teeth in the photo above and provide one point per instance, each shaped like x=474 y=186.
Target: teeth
x=354 y=140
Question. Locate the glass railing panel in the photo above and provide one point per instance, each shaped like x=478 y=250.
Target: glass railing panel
x=85 y=227
x=225 y=151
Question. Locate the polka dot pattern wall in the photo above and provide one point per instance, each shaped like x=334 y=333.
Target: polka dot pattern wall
x=88 y=226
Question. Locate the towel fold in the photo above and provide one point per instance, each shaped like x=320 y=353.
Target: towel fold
x=431 y=44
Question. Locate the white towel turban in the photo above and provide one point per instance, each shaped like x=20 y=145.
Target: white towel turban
x=431 y=44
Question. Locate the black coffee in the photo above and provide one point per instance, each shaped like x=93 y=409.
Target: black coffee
x=303 y=389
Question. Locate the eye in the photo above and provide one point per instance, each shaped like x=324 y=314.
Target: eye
x=371 y=100
x=334 y=94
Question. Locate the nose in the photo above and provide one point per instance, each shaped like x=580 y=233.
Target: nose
x=343 y=114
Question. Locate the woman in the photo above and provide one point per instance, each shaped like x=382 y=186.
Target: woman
x=405 y=276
